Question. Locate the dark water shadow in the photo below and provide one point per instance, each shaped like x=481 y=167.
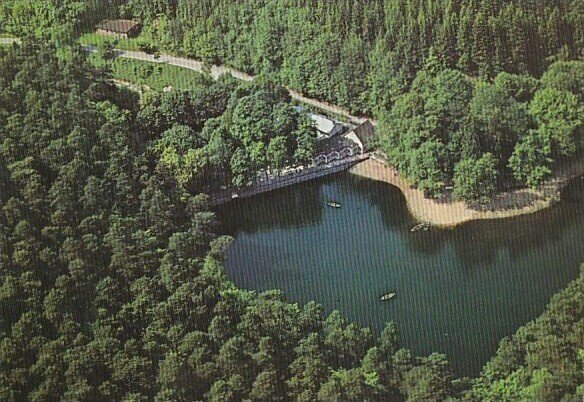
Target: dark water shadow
x=517 y=235
x=388 y=199
x=297 y=206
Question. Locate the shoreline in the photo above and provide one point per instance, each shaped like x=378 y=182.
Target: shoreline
x=449 y=213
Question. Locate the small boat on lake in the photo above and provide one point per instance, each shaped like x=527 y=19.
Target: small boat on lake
x=387 y=297
x=333 y=204
x=422 y=226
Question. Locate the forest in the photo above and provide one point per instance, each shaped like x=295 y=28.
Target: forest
x=477 y=96
x=224 y=134
x=357 y=54
x=474 y=96
x=481 y=137
x=111 y=278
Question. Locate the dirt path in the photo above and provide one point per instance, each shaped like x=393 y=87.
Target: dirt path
x=217 y=71
x=130 y=85
x=9 y=41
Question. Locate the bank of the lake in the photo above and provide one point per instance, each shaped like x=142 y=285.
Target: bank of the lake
x=447 y=213
x=459 y=290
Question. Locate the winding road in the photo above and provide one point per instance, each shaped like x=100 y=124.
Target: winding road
x=217 y=71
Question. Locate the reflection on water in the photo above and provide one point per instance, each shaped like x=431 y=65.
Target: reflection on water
x=459 y=290
x=301 y=204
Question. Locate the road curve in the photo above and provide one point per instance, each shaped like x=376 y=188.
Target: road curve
x=217 y=71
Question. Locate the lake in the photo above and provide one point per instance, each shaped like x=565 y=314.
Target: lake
x=459 y=291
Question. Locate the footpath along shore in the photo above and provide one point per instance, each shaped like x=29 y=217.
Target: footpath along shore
x=449 y=213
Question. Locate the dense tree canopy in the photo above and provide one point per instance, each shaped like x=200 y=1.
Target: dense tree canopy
x=359 y=53
x=111 y=284
x=111 y=279
x=450 y=80
x=442 y=130
x=222 y=133
x=55 y=19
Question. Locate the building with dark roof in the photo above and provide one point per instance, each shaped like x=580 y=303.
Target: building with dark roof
x=363 y=135
x=122 y=29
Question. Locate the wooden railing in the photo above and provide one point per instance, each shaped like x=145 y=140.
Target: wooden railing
x=265 y=183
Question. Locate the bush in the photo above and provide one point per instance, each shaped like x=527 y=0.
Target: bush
x=146 y=47
x=475 y=180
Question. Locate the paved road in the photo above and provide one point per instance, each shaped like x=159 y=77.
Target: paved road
x=217 y=71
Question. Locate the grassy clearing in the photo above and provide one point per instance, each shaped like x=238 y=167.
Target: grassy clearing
x=3 y=37
x=156 y=76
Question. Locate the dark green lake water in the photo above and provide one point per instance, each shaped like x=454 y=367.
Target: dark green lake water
x=459 y=291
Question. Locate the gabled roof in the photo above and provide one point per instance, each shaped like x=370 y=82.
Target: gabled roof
x=362 y=135
x=323 y=124
x=365 y=132
x=119 y=26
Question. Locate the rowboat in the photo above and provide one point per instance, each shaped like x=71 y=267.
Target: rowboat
x=333 y=204
x=424 y=225
x=387 y=297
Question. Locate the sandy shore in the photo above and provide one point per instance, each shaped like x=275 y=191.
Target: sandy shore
x=446 y=212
